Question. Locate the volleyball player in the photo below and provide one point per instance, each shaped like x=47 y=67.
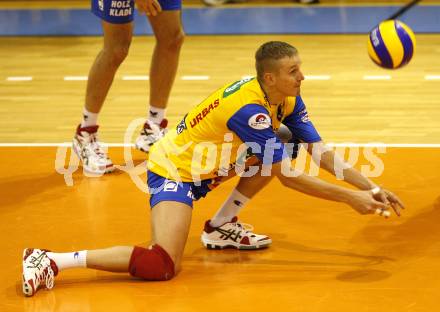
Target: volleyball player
x=209 y=143
x=117 y=24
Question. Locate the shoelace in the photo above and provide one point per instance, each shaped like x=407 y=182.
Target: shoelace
x=95 y=146
x=35 y=262
x=46 y=274
x=246 y=227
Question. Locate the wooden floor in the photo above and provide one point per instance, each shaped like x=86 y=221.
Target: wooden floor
x=325 y=257
x=404 y=109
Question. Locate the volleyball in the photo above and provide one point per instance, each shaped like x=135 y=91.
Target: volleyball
x=391 y=44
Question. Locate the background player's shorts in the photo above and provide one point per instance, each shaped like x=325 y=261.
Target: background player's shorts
x=162 y=189
x=122 y=11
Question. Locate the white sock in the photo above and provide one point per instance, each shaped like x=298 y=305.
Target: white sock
x=231 y=207
x=69 y=260
x=156 y=114
x=89 y=118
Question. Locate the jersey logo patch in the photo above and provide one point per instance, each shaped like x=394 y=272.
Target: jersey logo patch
x=259 y=121
x=199 y=117
x=304 y=116
x=235 y=86
x=181 y=126
x=170 y=186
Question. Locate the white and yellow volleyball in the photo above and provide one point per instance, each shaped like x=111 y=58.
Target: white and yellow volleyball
x=391 y=44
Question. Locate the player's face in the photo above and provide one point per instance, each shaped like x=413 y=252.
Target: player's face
x=289 y=77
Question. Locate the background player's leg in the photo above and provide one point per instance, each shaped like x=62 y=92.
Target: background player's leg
x=167 y=28
x=168 y=31
x=117 y=39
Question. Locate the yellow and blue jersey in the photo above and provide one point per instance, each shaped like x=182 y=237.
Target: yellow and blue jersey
x=215 y=135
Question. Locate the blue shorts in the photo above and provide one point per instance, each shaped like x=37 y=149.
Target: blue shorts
x=162 y=189
x=122 y=11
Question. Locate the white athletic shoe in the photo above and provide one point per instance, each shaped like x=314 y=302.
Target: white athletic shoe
x=39 y=271
x=150 y=135
x=233 y=234
x=88 y=148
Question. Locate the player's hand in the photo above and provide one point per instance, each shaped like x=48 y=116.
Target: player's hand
x=149 y=7
x=389 y=198
x=365 y=203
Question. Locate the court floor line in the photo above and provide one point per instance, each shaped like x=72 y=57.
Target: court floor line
x=135 y=77
x=432 y=77
x=75 y=78
x=404 y=145
x=19 y=78
x=196 y=78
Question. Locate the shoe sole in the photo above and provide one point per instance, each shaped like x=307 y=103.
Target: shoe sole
x=28 y=286
x=211 y=245
x=78 y=154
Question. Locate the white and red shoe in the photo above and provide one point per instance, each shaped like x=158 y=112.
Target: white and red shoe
x=233 y=234
x=150 y=134
x=39 y=271
x=89 y=150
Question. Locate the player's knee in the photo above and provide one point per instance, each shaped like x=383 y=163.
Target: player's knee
x=172 y=42
x=117 y=54
x=153 y=264
x=179 y=39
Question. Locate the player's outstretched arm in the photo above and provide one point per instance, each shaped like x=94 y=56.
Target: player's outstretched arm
x=361 y=201
x=332 y=162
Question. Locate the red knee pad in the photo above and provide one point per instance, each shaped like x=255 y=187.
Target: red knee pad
x=151 y=264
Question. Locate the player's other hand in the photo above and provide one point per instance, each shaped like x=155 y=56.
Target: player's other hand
x=149 y=7
x=365 y=203
x=389 y=198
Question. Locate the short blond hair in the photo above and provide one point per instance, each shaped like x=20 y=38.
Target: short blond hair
x=270 y=52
